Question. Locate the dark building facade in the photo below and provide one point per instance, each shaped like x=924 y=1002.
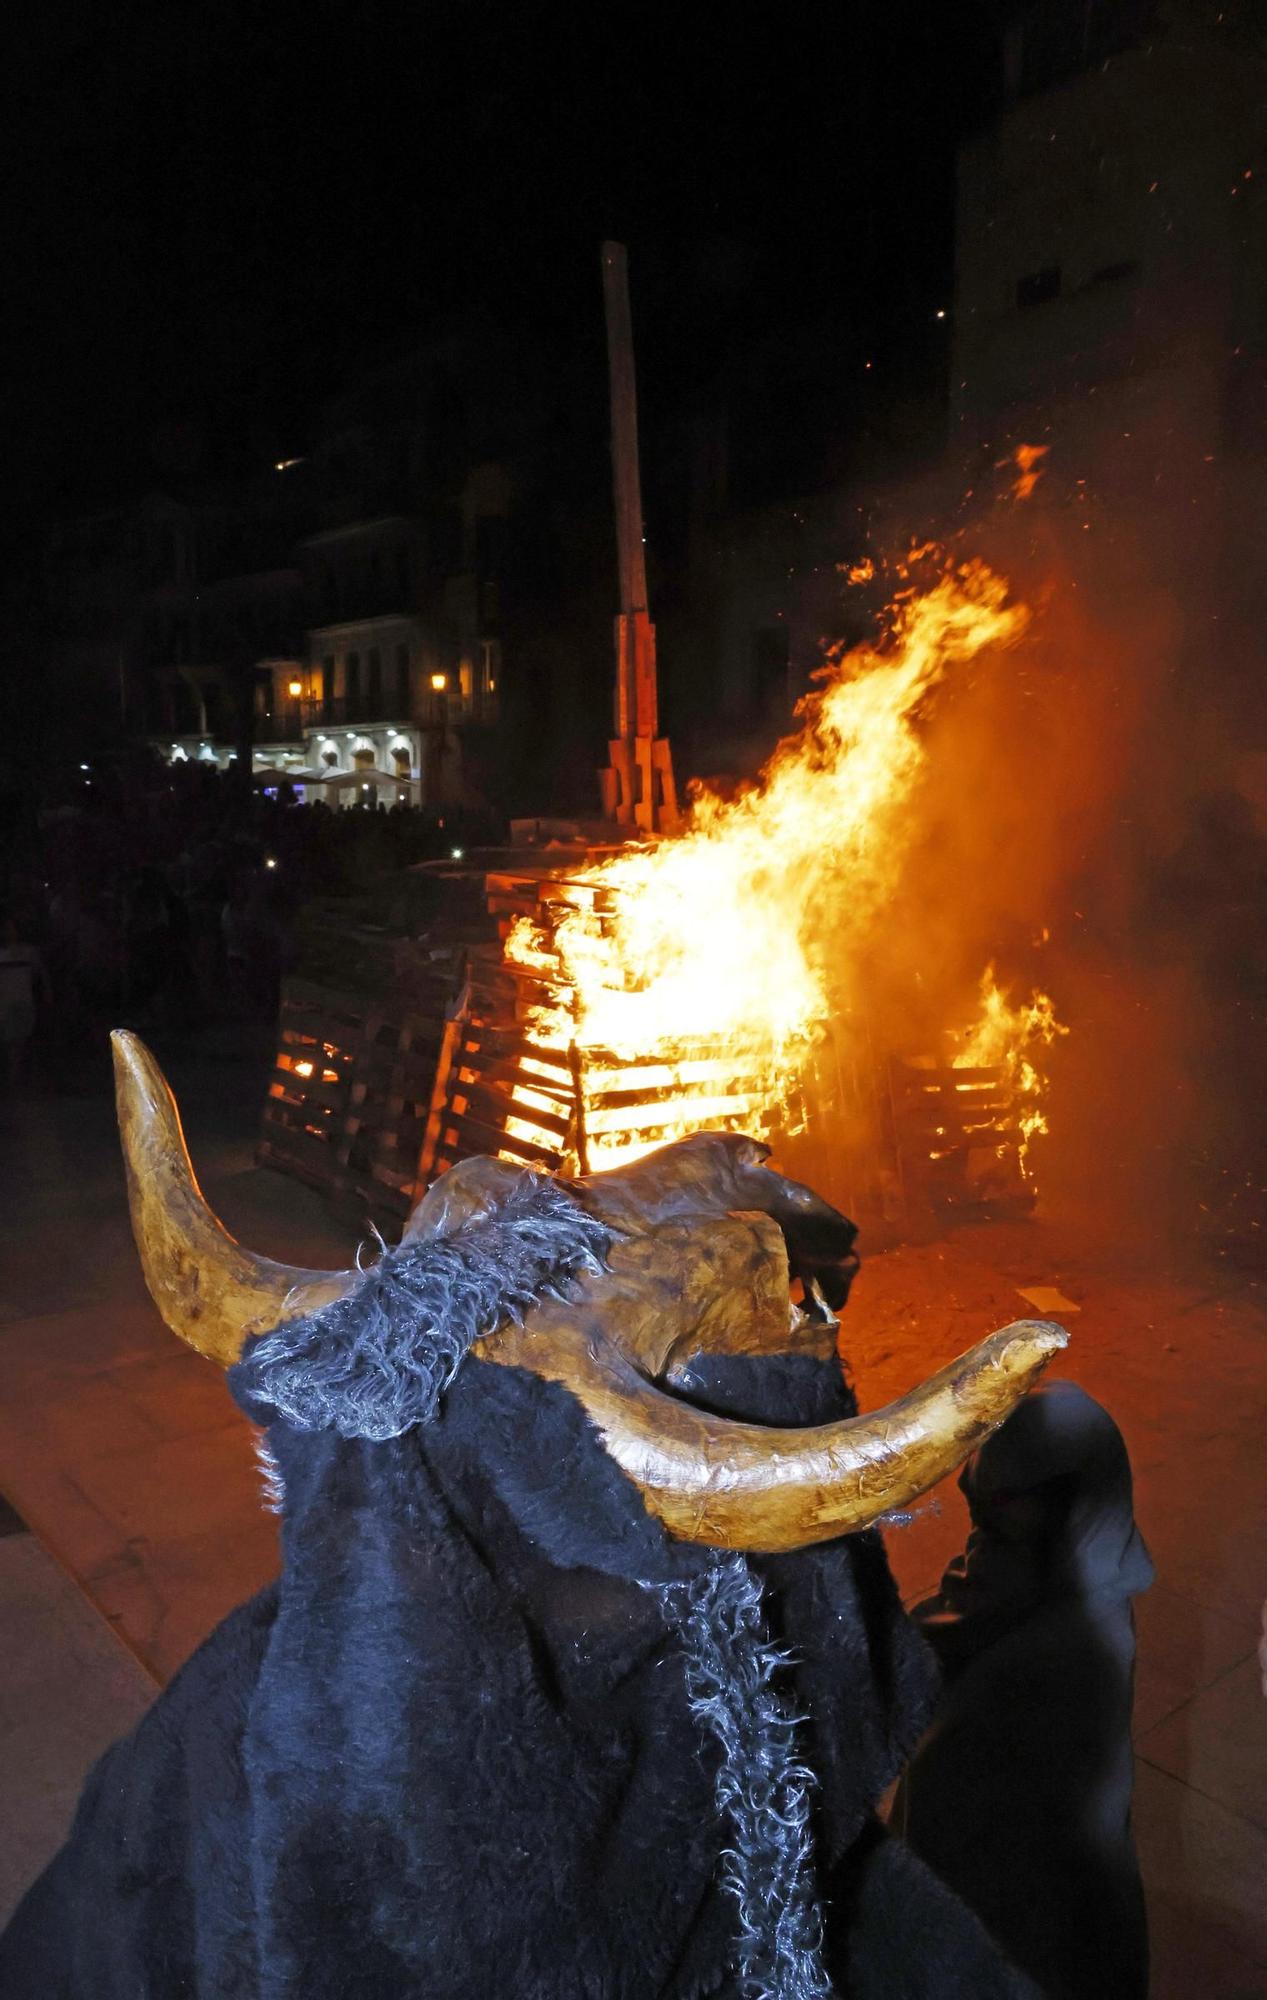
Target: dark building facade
x=336 y=617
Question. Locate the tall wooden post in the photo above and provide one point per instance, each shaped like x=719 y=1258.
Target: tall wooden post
x=638 y=786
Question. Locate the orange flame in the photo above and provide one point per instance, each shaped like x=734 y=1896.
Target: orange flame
x=1007 y=1036
x=1030 y=468
x=707 y=955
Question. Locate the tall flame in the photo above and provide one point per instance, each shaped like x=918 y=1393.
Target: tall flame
x=718 y=936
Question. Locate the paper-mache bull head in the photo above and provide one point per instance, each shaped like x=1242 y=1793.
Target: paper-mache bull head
x=578 y=1676
x=612 y=1285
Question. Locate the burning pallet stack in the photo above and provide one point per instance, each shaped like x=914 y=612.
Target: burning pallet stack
x=361 y=1032
x=372 y=1096
x=351 y=1092
x=509 y=1089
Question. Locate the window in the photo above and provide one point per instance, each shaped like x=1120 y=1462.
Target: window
x=403 y=703
x=353 y=679
x=374 y=692
x=1037 y=287
x=327 y=687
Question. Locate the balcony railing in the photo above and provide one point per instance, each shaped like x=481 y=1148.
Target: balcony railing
x=428 y=707
x=340 y=709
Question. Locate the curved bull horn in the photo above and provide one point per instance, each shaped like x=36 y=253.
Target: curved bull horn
x=748 y=1486
x=209 y=1289
x=709 y=1479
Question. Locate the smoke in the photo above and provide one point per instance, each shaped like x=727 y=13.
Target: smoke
x=1083 y=823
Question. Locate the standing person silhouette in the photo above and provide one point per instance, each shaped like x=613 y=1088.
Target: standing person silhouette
x=1019 y=1796
x=22 y=979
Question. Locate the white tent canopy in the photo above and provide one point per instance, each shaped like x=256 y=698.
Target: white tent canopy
x=345 y=780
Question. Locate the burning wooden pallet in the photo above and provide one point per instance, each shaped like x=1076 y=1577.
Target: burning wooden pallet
x=508 y=1091
x=321 y=1033
x=351 y=1093
x=958 y=1132
x=527 y=1094
x=371 y=1098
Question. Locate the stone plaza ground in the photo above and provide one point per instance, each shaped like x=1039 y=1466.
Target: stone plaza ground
x=133 y=1518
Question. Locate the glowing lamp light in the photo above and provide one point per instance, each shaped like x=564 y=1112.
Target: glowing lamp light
x=270 y=861
x=439 y=682
x=457 y=852
x=296 y=688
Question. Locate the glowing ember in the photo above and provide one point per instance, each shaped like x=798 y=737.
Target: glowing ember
x=1029 y=463
x=710 y=962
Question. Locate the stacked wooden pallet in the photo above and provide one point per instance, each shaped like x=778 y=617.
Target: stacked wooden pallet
x=501 y=1091
x=519 y=1086
x=958 y=1132
x=462 y=1052
x=321 y=1036
x=358 y=1089
x=351 y=1093
x=390 y=1099
x=502 y=1087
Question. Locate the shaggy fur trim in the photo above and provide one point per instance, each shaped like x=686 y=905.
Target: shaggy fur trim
x=272 y=1483
x=375 y=1363
x=761 y=1785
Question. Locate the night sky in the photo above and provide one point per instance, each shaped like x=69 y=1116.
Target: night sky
x=223 y=211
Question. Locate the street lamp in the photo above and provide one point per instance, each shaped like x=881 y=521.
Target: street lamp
x=296 y=688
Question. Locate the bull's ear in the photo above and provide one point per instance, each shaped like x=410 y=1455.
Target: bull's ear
x=713 y=1173
x=471 y=1188
x=210 y=1291
x=717 y=1283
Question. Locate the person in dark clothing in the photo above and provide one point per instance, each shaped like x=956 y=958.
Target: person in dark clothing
x=1020 y=1795
x=495 y=1731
